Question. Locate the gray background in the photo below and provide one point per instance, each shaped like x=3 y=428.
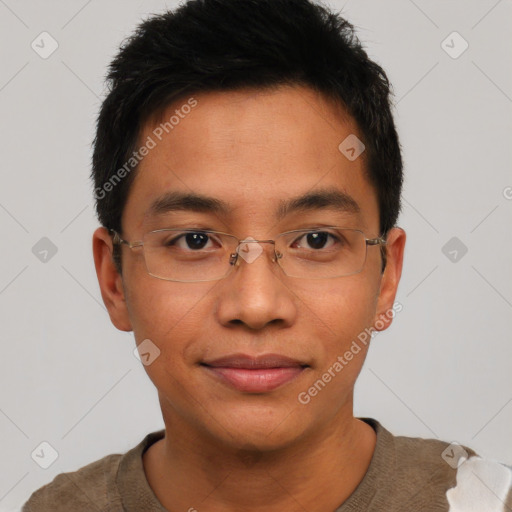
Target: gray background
x=441 y=371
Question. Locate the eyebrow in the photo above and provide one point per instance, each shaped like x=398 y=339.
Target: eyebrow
x=183 y=201
x=321 y=199
x=328 y=199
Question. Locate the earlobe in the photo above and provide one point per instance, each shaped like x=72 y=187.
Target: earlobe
x=390 y=279
x=109 y=280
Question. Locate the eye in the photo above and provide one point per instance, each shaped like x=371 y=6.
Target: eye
x=316 y=240
x=190 y=240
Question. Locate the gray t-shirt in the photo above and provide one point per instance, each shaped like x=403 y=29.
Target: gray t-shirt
x=405 y=474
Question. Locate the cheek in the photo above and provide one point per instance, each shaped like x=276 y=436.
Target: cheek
x=170 y=316
x=167 y=313
x=343 y=307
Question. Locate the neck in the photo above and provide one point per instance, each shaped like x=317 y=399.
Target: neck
x=317 y=473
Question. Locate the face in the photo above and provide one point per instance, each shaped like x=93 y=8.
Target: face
x=253 y=151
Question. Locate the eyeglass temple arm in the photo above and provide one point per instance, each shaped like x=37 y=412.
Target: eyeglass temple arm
x=382 y=242
x=117 y=240
x=376 y=241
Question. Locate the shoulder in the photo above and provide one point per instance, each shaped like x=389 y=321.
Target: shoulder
x=483 y=482
x=91 y=487
x=454 y=474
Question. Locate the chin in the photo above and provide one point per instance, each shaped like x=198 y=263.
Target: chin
x=260 y=430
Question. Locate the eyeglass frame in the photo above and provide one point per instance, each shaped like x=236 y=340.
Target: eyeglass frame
x=117 y=241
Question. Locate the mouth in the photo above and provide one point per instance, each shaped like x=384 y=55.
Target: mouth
x=252 y=374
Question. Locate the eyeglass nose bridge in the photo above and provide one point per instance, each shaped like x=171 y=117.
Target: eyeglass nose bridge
x=234 y=260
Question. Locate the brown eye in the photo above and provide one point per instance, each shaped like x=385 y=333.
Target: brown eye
x=316 y=240
x=190 y=240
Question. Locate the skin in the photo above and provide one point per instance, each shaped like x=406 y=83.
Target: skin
x=226 y=450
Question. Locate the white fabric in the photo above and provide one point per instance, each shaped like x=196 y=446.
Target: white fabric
x=482 y=485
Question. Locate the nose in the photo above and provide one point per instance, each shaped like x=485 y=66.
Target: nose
x=255 y=293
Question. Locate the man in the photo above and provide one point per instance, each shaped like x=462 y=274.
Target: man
x=247 y=178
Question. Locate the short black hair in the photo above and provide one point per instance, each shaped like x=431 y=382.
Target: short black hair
x=226 y=45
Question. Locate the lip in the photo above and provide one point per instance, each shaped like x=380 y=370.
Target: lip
x=255 y=374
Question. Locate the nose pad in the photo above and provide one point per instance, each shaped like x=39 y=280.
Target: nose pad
x=249 y=249
x=277 y=256
x=251 y=252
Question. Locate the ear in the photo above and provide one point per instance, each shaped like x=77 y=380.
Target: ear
x=109 y=279
x=389 y=281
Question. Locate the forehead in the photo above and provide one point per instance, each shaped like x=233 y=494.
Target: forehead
x=255 y=152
